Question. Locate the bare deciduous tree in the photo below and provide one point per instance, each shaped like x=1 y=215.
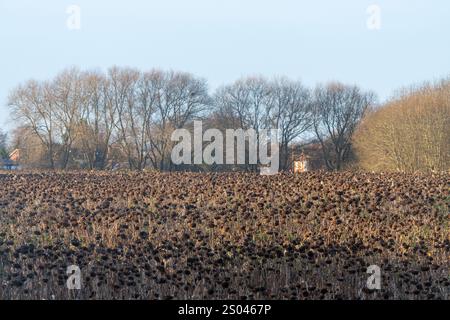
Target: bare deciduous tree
x=70 y=101
x=291 y=113
x=32 y=104
x=248 y=102
x=180 y=98
x=95 y=127
x=258 y=103
x=337 y=111
x=121 y=91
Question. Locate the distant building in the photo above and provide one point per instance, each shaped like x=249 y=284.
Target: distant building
x=301 y=164
x=307 y=157
x=11 y=163
x=15 y=156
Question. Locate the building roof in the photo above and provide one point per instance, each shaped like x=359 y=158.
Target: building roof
x=15 y=155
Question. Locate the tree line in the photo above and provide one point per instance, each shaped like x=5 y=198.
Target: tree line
x=96 y=120
x=409 y=133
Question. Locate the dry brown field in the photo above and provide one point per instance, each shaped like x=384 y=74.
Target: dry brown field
x=152 y=235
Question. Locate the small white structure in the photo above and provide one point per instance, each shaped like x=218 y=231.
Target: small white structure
x=301 y=165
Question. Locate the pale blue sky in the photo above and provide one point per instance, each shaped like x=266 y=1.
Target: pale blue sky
x=222 y=40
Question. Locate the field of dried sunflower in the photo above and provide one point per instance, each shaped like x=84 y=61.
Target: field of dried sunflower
x=224 y=236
